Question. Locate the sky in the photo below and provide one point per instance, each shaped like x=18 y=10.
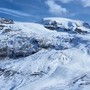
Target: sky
x=35 y=10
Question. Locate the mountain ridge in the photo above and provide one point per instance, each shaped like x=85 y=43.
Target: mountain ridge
x=35 y=57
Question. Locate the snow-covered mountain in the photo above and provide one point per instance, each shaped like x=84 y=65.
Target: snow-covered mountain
x=65 y=24
x=53 y=54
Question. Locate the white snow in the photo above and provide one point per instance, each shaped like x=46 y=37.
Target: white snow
x=62 y=63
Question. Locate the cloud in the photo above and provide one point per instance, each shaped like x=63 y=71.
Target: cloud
x=55 y=8
x=13 y=12
x=65 y=1
x=86 y=3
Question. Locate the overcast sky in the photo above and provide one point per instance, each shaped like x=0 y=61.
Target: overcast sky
x=34 y=10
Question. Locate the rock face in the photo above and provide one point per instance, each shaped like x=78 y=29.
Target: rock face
x=52 y=25
x=80 y=31
x=17 y=45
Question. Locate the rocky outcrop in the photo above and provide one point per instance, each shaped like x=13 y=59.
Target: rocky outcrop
x=6 y=21
x=20 y=45
x=52 y=25
x=1 y=27
x=66 y=25
x=80 y=31
x=7 y=73
x=17 y=45
x=6 y=30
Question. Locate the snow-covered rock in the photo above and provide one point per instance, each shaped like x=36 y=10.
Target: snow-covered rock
x=33 y=57
x=64 y=24
x=6 y=21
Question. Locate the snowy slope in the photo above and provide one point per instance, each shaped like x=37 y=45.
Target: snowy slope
x=36 y=58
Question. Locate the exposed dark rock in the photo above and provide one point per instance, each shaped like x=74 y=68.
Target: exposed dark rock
x=38 y=73
x=7 y=73
x=1 y=27
x=52 y=25
x=21 y=46
x=80 y=31
x=6 y=30
x=6 y=21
